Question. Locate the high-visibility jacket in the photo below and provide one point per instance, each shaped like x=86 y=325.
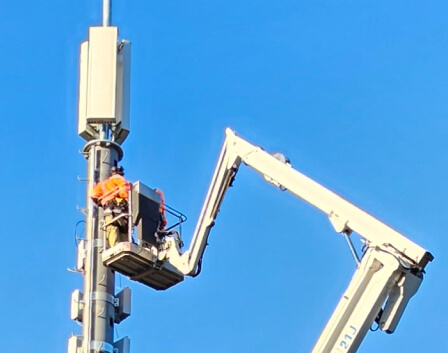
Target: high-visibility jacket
x=114 y=187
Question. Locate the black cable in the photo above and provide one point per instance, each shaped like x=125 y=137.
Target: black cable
x=374 y=329
x=199 y=270
x=76 y=227
x=377 y=320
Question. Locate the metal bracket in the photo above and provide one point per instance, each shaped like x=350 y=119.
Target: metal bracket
x=97 y=243
x=352 y=248
x=84 y=153
x=101 y=346
x=339 y=224
x=83 y=210
x=81 y=179
x=102 y=296
x=104 y=144
x=74 y=270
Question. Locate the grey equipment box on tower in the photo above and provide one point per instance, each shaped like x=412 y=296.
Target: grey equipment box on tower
x=145 y=212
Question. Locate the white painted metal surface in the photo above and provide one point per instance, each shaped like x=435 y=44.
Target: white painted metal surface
x=388 y=275
x=101 y=87
x=378 y=274
x=85 y=130
x=123 y=118
x=344 y=216
x=104 y=86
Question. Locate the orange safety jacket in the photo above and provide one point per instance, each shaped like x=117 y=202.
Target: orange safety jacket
x=112 y=188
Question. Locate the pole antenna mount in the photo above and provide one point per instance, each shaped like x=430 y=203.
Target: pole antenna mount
x=106 y=12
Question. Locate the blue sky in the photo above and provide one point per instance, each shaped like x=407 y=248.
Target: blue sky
x=353 y=92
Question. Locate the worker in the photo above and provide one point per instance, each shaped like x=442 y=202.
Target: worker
x=161 y=231
x=112 y=195
x=162 y=219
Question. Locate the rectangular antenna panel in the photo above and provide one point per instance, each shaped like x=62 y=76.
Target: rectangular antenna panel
x=123 y=310
x=123 y=126
x=86 y=131
x=104 y=84
x=123 y=345
x=74 y=344
x=102 y=75
x=81 y=258
x=77 y=305
x=98 y=81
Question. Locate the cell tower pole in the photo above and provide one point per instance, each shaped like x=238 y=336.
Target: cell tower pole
x=103 y=120
x=99 y=281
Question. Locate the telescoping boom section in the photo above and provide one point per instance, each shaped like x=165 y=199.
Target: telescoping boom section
x=388 y=274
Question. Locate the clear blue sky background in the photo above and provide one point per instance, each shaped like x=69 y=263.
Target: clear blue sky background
x=354 y=92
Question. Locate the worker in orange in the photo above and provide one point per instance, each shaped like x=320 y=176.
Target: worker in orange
x=112 y=195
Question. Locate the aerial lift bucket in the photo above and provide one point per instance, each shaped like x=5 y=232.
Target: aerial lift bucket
x=139 y=259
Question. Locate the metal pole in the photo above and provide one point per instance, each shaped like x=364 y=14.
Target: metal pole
x=99 y=281
x=106 y=13
x=98 y=303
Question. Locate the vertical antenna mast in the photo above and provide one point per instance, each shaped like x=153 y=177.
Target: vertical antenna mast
x=106 y=13
x=103 y=121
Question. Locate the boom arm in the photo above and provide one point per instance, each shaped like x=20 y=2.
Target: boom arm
x=226 y=168
x=344 y=216
x=388 y=275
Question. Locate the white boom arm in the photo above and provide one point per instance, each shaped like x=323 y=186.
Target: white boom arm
x=344 y=216
x=391 y=268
